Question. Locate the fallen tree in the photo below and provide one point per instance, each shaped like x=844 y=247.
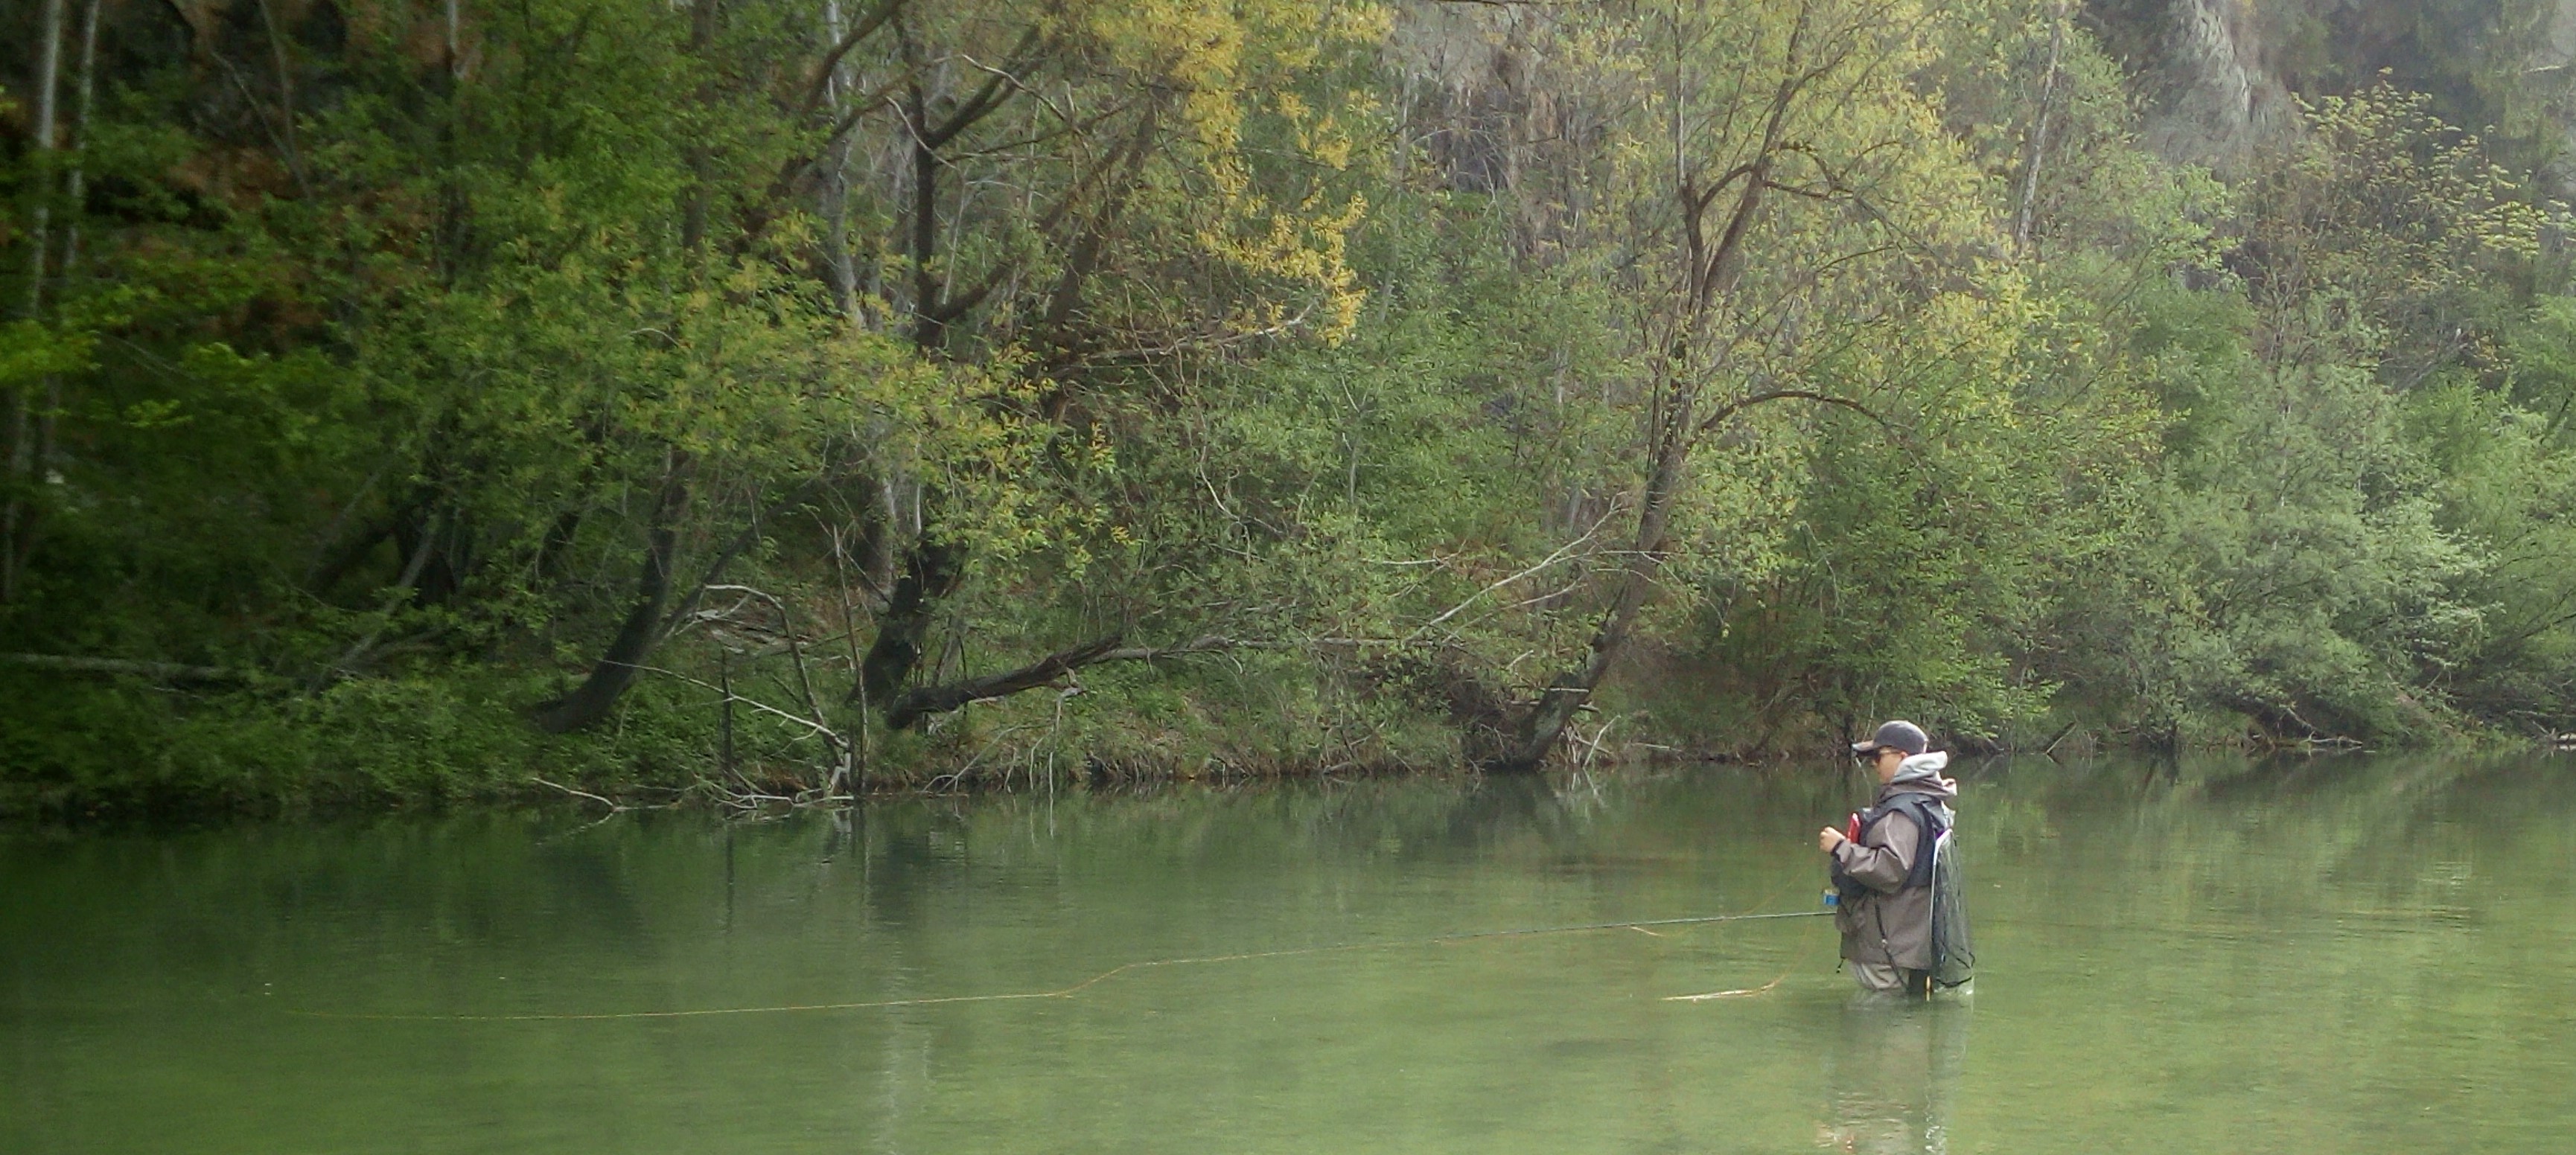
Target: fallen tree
x=173 y=673
x=919 y=705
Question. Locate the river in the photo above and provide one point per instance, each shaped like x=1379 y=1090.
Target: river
x=2340 y=955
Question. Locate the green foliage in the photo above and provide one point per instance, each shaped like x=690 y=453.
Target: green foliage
x=2319 y=552
x=1375 y=357
x=428 y=737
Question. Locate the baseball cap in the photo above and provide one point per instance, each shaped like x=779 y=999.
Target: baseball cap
x=1900 y=734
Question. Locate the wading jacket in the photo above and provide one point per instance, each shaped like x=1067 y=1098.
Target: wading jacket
x=1882 y=920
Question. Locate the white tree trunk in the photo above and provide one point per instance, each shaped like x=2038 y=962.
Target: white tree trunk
x=837 y=263
x=22 y=442
x=2036 y=152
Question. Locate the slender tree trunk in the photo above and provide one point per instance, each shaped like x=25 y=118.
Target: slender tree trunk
x=455 y=55
x=643 y=627
x=285 y=95
x=931 y=568
x=838 y=266
x=22 y=440
x=724 y=720
x=75 y=191
x=405 y=589
x=694 y=205
x=926 y=328
x=883 y=526
x=2035 y=151
x=1084 y=256
x=453 y=233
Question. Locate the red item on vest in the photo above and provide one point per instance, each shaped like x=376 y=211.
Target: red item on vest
x=1851 y=830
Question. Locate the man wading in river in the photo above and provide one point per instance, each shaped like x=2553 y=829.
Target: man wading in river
x=1885 y=902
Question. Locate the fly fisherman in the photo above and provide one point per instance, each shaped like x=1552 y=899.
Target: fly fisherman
x=1881 y=868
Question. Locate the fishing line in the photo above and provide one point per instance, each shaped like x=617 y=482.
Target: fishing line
x=1104 y=976
x=1764 y=989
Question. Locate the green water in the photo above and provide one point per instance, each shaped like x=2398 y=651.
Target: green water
x=2336 y=956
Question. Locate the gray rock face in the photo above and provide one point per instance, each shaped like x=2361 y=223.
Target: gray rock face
x=2211 y=96
x=2215 y=77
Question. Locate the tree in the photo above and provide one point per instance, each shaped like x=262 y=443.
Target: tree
x=1779 y=198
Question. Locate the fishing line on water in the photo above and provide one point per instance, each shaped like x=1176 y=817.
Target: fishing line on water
x=1104 y=976
x=1764 y=989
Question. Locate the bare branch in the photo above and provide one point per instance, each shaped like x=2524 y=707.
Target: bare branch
x=1741 y=404
x=996 y=90
x=1562 y=553
x=613 y=807
x=822 y=80
x=828 y=733
x=1208 y=644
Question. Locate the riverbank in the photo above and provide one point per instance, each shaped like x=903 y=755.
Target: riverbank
x=80 y=748
x=94 y=748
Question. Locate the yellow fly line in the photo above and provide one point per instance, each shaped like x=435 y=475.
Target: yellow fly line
x=1104 y=976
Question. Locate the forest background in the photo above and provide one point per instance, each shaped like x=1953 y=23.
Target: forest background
x=781 y=399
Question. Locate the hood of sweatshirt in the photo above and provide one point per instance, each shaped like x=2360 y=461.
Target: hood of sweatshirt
x=1921 y=774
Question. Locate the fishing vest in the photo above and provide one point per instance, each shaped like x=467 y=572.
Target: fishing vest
x=1924 y=810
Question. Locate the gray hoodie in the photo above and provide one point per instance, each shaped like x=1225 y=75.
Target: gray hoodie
x=1888 y=924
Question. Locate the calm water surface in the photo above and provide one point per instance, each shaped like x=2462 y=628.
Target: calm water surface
x=2334 y=956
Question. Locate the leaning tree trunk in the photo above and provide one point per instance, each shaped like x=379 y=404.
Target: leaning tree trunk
x=642 y=629
x=647 y=622
x=1543 y=727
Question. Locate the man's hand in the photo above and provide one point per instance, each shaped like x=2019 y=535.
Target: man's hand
x=1829 y=838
